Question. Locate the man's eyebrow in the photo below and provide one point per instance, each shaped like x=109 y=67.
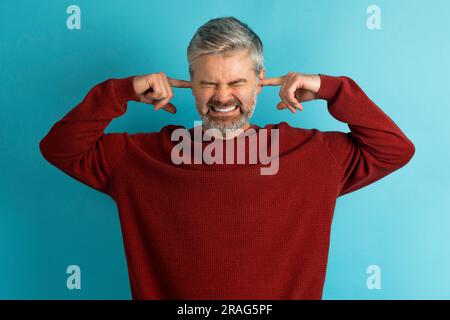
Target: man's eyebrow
x=231 y=82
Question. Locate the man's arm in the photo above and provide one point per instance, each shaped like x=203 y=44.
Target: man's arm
x=77 y=144
x=375 y=145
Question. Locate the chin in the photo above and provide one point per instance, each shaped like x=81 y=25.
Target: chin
x=222 y=125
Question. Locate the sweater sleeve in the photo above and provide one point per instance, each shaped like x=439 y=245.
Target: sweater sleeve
x=77 y=144
x=374 y=147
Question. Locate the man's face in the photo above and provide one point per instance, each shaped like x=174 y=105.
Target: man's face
x=225 y=88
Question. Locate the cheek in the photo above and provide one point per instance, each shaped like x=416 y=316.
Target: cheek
x=201 y=99
x=241 y=94
x=247 y=97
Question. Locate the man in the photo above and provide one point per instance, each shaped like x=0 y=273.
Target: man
x=224 y=230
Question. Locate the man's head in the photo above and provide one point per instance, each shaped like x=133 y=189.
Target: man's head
x=225 y=65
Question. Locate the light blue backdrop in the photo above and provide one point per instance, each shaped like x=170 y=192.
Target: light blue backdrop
x=49 y=221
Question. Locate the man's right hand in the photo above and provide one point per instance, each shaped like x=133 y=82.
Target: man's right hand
x=156 y=89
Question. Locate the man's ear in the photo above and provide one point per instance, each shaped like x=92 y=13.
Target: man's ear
x=260 y=77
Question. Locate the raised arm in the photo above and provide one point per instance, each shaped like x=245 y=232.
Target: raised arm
x=375 y=145
x=77 y=144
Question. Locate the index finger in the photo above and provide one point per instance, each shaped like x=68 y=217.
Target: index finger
x=179 y=83
x=271 y=81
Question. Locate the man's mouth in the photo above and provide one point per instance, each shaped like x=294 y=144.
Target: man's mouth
x=224 y=111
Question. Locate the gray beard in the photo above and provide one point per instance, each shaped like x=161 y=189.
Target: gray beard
x=227 y=129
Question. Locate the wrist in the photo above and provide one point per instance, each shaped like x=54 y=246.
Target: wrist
x=329 y=86
x=124 y=89
x=314 y=83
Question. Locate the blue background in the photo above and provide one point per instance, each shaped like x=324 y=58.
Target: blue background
x=49 y=221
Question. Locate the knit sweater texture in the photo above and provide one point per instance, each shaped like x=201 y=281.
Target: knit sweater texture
x=224 y=230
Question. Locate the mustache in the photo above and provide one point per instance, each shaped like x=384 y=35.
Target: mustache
x=215 y=103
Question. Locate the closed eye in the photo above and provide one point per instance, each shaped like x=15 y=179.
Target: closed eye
x=234 y=83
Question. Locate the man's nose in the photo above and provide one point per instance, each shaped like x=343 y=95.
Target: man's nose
x=223 y=93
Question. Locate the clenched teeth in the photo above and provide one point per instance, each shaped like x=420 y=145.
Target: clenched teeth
x=227 y=109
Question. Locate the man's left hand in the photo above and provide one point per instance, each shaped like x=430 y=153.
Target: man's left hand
x=295 y=88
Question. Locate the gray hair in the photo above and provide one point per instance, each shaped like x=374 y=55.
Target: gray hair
x=221 y=35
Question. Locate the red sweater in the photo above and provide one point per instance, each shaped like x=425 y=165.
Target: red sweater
x=224 y=231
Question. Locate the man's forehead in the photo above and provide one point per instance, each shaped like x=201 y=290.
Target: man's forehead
x=224 y=68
